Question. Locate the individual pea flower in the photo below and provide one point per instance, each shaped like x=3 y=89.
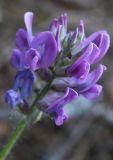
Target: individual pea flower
x=33 y=52
x=87 y=87
x=54 y=103
x=22 y=87
x=101 y=39
x=96 y=47
x=59 y=29
x=81 y=67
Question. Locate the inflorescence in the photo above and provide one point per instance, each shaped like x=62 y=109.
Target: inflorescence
x=59 y=58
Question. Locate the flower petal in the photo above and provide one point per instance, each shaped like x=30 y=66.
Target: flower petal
x=23 y=82
x=60 y=102
x=54 y=26
x=93 y=92
x=103 y=45
x=94 y=54
x=100 y=38
x=63 y=22
x=80 y=68
x=60 y=117
x=28 y=19
x=80 y=71
x=13 y=98
x=32 y=59
x=57 y=38
x=56 y=108
x=16 y=59
x=21 y=40
x=46 y=45
x=81 y=29
x=91 y=79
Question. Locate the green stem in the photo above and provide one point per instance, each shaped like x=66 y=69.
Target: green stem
x=22 y=124
x=41 y=94
x=13 y=138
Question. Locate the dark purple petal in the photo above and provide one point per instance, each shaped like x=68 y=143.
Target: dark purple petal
x=80 y=68
x=80 y=71
x=28 y=19
x=21 y=40
x=46 y=45
x=93 y=92
x=13 y=98
x=91 y=79
x=32 y=59
x=16 y=59
x=23 y=83
x=27 y=87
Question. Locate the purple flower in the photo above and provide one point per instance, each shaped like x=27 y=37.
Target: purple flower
x=59 y=29
x=41 y=54
x=101 y=39
x=56 y=110
x=24 y=38
x=43 y=51
x=28 y=19
x=21 y=40
x=17 y=59
x=53 y=54
x=13 y=98
x=22 y=87
x=33 y=52
x=88 y=86
x=81 y=67
x=97 y=45
x=23 y=82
